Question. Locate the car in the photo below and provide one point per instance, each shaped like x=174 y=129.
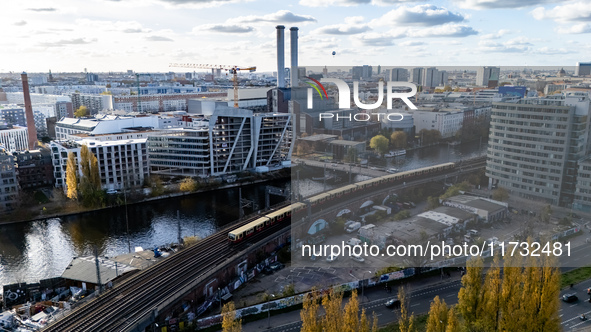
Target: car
x=392 y=170
x=267 y=270
x=357 y=258
x=373 y=168
x=276 y=266
x=112 y=192
x=568 y=298
x=331 y=258
x=393 y=303
x=333 y=165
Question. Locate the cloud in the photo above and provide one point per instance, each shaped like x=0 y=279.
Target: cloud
x=496 y=35
x=495 y=4
x=507 y=47
x=391 y=2
x=282 y=16
x=550 y=51
x=411 y=43
x=42 y=9
x=448 y=30
x=64 y=42
x=378 y=39
x=158 y=39
x=327 y=3
x=224 y=28
x=577 y=28
x=572 y=12
x=20 y=23
x=421 y=15
x=193 y=3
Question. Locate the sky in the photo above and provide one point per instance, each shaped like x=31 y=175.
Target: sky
x=148 y=35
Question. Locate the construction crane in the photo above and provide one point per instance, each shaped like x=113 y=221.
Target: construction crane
x=231 y=70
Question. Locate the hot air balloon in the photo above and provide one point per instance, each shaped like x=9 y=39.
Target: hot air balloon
x=334 y=53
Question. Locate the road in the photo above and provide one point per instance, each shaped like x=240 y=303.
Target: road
x=373 y=172
x=447 y=289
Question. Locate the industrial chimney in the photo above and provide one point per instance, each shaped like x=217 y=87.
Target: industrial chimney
x=280 y=57
x=29 y=113
x=294 y=57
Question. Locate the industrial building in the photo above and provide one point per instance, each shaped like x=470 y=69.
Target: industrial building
x=8 y=181
x=487 y=209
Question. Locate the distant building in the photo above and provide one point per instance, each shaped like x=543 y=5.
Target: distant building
x=90 y=77
x=153 y=103
x=64 y=109
x=8 y=182
x=398 y=75
x=361 y=72
x=583 y=69
x=13 y=115
x=487 y=209
x=104 y=124
x=488 y=76
x=94 y=103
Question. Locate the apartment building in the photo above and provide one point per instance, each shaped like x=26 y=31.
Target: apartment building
x=8 y=182
x=14 y=138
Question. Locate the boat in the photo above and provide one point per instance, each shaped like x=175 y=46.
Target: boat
x=395 y=153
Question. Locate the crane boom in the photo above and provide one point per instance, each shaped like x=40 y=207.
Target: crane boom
x=231 y=69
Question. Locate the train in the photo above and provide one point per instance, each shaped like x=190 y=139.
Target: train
x=324 y=199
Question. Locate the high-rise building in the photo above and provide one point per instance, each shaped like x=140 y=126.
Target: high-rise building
x=64 y=109
x=398 y=75
x=430 y=76
x=361 y=72
x=488 y=76
x=535 y=144
x=416 y=76
x=583 y=69
x=94 y=103
x=13 y=115
x=14 y=138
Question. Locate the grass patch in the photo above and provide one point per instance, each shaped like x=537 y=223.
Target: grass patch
x=575 y=276
x=40 y=197
x=420 y=324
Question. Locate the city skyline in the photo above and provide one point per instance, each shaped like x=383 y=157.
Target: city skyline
x=106 y=35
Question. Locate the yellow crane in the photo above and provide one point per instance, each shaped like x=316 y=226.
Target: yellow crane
x=231 y=69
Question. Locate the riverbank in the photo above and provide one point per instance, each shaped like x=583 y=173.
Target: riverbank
x=80 y=210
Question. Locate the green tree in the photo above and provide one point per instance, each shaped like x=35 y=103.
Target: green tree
x=72 y=177
x=500 y=194
x=156 y=185
x=351 y=155
x=398 y=139
x=380 y=144
x=402 y=215
x=82 y=111
x=432 y=202
x=229 y=321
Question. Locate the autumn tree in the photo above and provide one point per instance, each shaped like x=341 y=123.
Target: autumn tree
x=470 y=295
x=406 y=322
x=156 y=185
x=309 y=314
x=333 y=315
x=398 y=139
x=229 y=321
x=81 y=112
x=437 y=317
x=90 y=182
x=546 y=213
x=511 y=285
x=380 y=144
x=351 y=315
x=490 y=310
x=189 y=184
x=453 y=323
x=72 y=177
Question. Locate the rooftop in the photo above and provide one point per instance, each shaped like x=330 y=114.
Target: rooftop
x=84 y=269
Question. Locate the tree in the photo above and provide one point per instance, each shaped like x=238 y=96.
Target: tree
x=470 y=295
x=380 y=144
x=447 y=88
x=437 y=318
x=333 y=317
x=432 y=202
x=402 y=215
x=72 y=177
x=453 y=323
x=189 y=184
x=546 y=213
x=490 y=309
x=399 y=139
x=351 y=155
x=229 y=321
x=82 y=111
x=309 y=314
x=156 y=185
x=351 y=315
x=406 y=322
x=500 y=194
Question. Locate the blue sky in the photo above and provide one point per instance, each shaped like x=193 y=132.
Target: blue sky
x=147 y=35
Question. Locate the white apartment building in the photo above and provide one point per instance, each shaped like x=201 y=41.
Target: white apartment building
x=447 y=122
x=14 y=138
x=122 y=163
x=36 y=98
x=103 y=124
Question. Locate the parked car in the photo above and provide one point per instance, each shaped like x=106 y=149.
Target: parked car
x=393 y=303
x=276 y=266
x=568 y=298
x=267 y=270
x=353 y=241
x=357 y=258
x=331 y=258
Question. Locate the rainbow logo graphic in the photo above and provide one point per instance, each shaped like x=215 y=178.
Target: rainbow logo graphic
x=316 y=87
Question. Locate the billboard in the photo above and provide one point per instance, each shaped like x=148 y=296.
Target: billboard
x=512 y=90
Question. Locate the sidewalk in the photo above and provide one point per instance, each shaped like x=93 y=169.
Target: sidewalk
x=370 y=294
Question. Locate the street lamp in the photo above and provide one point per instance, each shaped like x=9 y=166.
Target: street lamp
x=268 y=298
x=362 y=283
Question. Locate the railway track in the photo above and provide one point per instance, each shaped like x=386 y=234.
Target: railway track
x=120 y=307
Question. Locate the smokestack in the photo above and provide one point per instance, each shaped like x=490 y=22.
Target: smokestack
x=280 y=57
x=294 y=57
x=29 y=112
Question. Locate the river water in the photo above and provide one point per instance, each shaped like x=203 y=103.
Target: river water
x=42 y=249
